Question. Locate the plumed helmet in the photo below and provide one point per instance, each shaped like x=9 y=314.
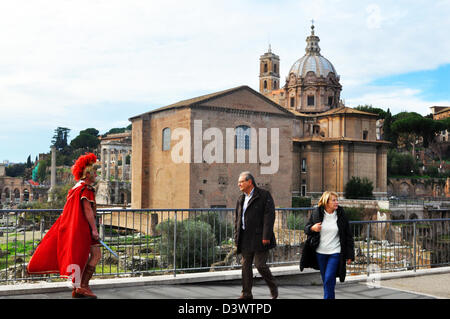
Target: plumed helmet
x=83 y=164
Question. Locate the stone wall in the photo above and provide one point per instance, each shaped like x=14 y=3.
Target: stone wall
x=412 y=187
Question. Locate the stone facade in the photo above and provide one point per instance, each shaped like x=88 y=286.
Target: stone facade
x=336 y=145
x=440 y=113
x=114 y=185
x=269 y=73
x=208 y=177
x=16 y=190
x=420 y=188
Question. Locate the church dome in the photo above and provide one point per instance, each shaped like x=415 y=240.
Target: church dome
x=312 y=60
x=315 y=63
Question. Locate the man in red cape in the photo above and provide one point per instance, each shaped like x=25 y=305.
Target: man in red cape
x=71 y=247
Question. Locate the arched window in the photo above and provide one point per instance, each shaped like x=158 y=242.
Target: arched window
x=26 y=195
x=17 y=195
x=265 y=67
x=166 y=139
x=242 y=137
x=275 y=68
x=265 y=84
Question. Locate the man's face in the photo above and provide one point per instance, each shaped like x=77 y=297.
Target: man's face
x=244 y=185
x=91 y=177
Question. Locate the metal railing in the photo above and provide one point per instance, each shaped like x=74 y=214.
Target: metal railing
x=167 y=241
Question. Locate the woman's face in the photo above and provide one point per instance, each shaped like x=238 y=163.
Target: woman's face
x=332 y=204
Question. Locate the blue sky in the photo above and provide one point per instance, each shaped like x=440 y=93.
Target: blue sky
x=86 y=63
x=433 y=84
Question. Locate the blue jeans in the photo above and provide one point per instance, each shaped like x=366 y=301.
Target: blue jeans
x=328 y=265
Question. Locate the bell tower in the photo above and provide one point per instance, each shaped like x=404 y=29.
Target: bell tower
x=269 y=72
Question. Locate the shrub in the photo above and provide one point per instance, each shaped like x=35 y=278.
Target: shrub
x=296 y=220
x=358 y=188
x=221 y=228
x=195 y=246
x=354 y=213
x=301 y=202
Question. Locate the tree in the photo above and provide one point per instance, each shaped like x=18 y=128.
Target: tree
x=117 y=130
x=85 y=141
x=90 y=131
x=375 y=110
x=412 y=127
x=388 y=134
x=29 y=163
x=358 y=188
x=60 y=138
x=15 y=170
x=402 y=164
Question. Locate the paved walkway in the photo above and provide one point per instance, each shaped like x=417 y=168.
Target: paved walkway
x=423 y=284
x=213 y=291
x=432 y=285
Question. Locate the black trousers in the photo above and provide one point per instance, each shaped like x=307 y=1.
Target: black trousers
x=260 y=260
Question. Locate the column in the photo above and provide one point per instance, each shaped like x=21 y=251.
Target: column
x=128 y=176
x=53 y=169
x=108 y=164
x=116 y=192
x=124 y=159
x=116 y=164
x=102 y=154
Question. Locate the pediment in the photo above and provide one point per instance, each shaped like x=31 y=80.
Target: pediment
x=245 y=99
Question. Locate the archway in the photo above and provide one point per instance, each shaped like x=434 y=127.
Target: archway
x=405 y=190
x=16 y=195
x=26 y=195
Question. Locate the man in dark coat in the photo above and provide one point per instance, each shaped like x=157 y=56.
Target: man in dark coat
x=255 y=217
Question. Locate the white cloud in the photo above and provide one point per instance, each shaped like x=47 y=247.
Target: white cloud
x=396 y=99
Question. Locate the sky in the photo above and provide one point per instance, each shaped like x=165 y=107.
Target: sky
x=91 y=63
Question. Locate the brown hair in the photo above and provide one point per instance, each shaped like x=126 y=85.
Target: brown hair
x=326 y=197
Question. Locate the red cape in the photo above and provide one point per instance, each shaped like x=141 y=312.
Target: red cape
x=67 y=243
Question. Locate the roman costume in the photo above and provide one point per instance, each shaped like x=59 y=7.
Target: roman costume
x=66 y=246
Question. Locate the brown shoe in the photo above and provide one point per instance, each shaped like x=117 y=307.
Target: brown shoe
x=246 y=297
x=84 y=293
x=85 y=290
x=75 y=295
x=274 y=293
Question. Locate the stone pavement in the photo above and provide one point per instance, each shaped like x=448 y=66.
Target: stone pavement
x=432 y=285
x=293 y=284
x=213 y=291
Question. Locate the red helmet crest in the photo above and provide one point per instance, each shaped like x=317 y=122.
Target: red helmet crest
x=82 y=162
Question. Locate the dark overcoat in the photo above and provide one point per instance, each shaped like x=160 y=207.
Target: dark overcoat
x=308 y=258
x=259 y=221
